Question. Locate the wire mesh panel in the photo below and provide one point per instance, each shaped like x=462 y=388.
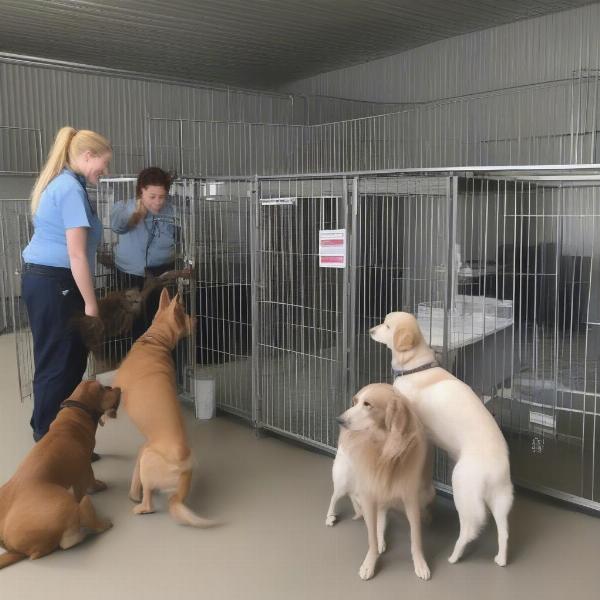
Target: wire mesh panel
x=301 y=308
x=400 y=263
x=109 y=191
x=20 y=150
x=225 y=148
x=528 y=280
x=223 y=292
x=182 y=197
x=15 y=232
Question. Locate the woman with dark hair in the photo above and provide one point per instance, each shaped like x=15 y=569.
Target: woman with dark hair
x=147 y=231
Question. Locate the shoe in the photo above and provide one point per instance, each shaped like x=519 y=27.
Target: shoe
x=95 y=457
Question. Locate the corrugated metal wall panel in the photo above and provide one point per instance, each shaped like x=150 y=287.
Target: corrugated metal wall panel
x=533 y=51
x=43 y=98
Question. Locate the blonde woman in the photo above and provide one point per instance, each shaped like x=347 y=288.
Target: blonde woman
x=59 y=266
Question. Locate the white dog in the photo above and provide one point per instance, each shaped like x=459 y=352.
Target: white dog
x=456 y=420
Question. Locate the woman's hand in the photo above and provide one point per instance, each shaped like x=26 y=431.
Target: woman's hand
x=91 y=310
x=76 y=247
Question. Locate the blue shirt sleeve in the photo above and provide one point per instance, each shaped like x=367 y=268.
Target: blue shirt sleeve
x=119 y=217
x=72 y=205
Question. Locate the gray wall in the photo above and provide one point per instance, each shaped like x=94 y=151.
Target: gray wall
x=224 y=131
x=525 y=93
x=15 y=186
x=533 y=51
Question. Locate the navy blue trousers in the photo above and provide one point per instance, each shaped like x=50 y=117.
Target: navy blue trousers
x=60 y=357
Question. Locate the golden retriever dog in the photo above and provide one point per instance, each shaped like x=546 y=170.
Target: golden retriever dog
x=456 y=420
x=380 y=463
x=38 y=512
x=149 y=394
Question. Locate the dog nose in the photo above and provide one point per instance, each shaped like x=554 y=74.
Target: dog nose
x=372 y=330
x=341 y=421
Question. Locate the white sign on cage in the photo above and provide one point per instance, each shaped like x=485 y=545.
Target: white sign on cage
x=332 y=248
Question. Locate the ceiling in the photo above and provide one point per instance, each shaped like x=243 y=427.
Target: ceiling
x=245 y=43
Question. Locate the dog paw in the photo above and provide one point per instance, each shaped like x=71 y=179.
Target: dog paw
x=104 y=524
x=140 y=509
x=357 y=516
x=500 y=560
x=422 y=569
x=367 y=569
x=134 y=498
x=331 y=520
x=453 y=559
x=381 y=546
x=97 y=486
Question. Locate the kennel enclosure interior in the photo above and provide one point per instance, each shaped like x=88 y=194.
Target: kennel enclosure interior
x=499 y=266
x=498 y=263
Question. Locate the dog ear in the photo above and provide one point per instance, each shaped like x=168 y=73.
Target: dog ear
x=165 y=300
x=179 y=314
x=402 y=436
x=403 y=339
x=390 y=415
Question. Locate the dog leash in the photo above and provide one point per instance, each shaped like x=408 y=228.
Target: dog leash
x=430 y=365
x=90 y=411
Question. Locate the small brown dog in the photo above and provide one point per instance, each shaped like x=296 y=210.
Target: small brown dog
x=118 y=310
x=38 y=513
x=147 y=380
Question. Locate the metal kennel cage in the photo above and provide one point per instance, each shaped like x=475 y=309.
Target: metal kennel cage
x=499 y=265
x=16 y=231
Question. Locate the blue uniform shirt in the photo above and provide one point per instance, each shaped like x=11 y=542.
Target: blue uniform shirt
x=64 y=204
x=151 y=243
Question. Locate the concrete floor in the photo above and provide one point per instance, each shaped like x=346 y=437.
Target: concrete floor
x=274 y=545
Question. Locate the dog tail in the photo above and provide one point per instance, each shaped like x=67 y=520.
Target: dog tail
x=180 y=512
x=10 y=558
x=185 y=516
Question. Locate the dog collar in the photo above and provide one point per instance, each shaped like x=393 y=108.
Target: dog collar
x=94 y=414
x=150 y=337
x=430 y=365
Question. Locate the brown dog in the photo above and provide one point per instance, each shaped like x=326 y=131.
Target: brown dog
x=38 y=513
x=147 y=381
x=118 y=311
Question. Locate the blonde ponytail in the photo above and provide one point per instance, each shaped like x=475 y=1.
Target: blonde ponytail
x=68 y=144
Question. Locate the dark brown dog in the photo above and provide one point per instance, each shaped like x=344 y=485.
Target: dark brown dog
x=38 y=512
x=118 y=310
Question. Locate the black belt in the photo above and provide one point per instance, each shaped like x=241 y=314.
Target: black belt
x=47 y=271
